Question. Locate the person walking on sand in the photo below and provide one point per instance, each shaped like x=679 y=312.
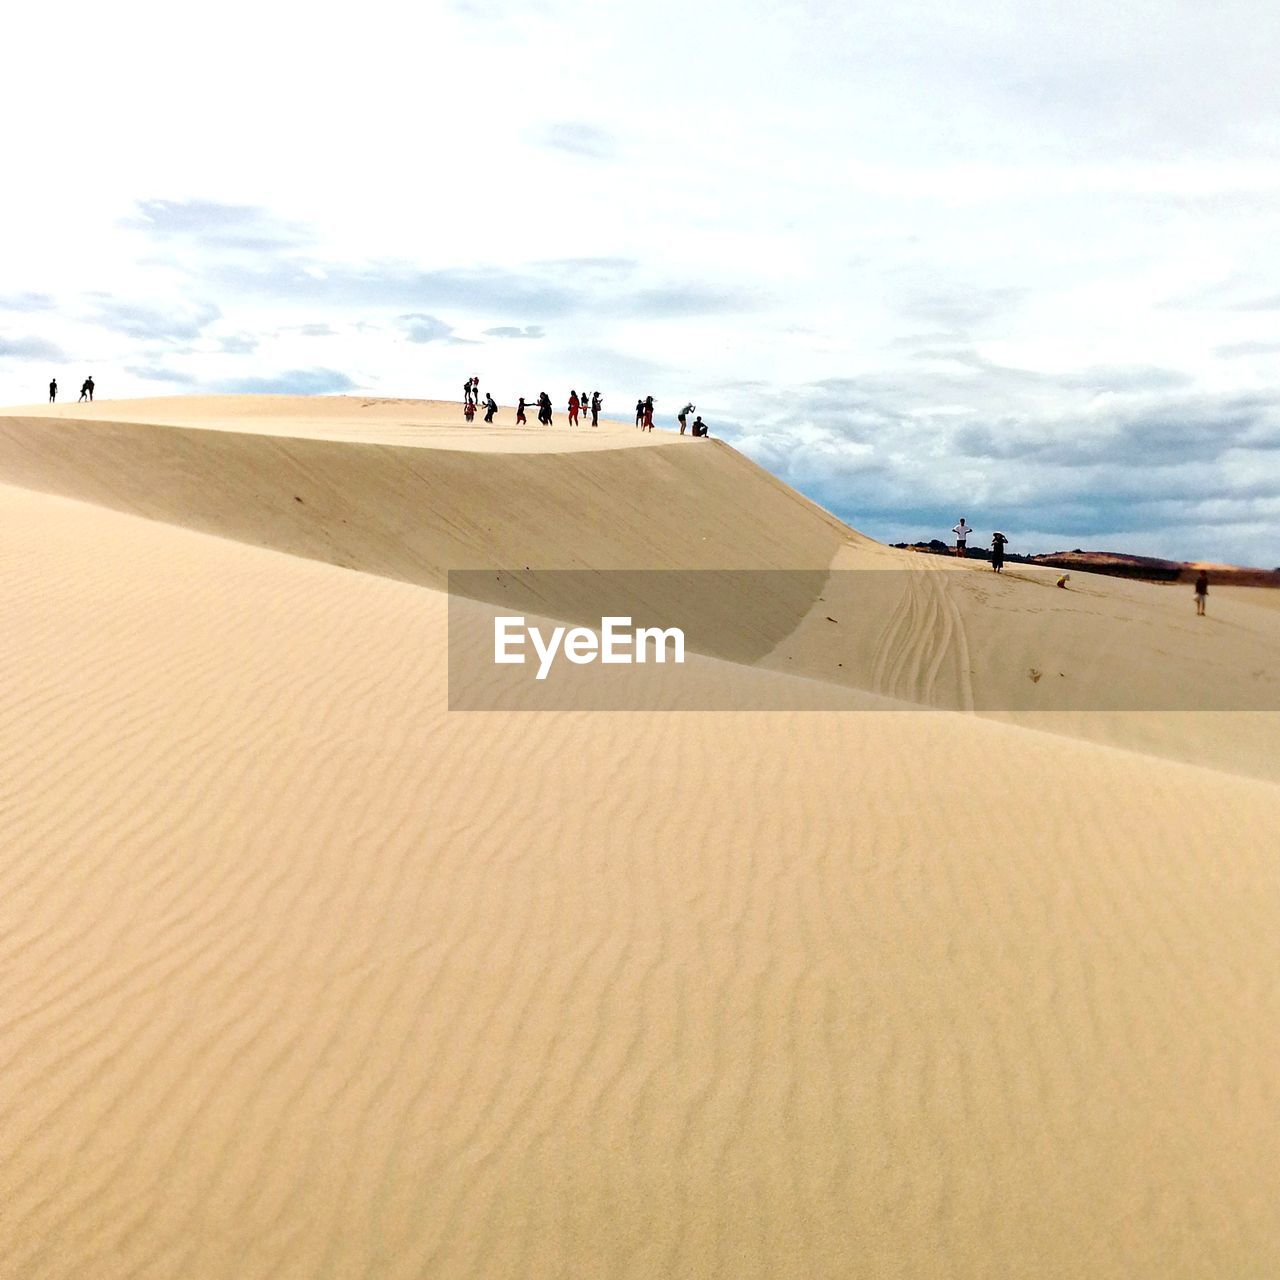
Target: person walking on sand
x=639 y=412
x=962 y=532
x=997 y=551
x=490 y=406
x=1202 y=592
x=469 y=409
x=573 y=408
x=647 y=423
x=86 y=390
x=521 y=420
x=544 y=409
x=53 y=390
x=683 y=416
x=596 y=401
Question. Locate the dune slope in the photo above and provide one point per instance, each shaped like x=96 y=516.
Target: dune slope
x=302 y=974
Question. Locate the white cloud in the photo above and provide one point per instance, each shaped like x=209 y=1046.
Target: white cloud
x=865 y=234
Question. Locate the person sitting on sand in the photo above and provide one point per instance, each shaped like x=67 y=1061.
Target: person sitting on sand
x=573 y=408
x=699 y=427
x=1202 y=591
x=997 y=551
x=962 y=532
x=683 y=416
x=490 y=406
x=596 y=401
x=53 y=390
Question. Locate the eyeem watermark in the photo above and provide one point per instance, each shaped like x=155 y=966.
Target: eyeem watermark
x=617 y=644
x=817 y=639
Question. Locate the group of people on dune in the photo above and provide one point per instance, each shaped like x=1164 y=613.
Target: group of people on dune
x=579 y=406
x=86 y=390
x=644 y=417
x=964 y=531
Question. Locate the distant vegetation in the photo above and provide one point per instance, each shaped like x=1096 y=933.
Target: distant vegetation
x=1116 y=564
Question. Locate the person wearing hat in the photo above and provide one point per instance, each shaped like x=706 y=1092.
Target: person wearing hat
x=997 y=551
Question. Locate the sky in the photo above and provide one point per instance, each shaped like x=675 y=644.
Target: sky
x=1017 y=262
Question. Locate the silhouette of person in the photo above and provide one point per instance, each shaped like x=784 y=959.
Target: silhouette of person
x=699 y=427
x=596 y=401
x=490 y=406
x=997 y=551
x=573 y=408
x=521 y=420
x=53 y=390
x=466 y=391
x=647 y=423
x=639 y=412
x=1202 y=592
x=544 y=409
x=86 y=390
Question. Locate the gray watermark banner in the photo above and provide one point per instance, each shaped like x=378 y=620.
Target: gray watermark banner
x=949 y=638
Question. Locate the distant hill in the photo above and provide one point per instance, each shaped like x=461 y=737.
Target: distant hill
x=1119 y=565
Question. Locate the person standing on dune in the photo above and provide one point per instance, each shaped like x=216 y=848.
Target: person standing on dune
x=997 y=551
x=544 y=409
x=962 y=532
x=683 y=416
x=53 y=390
x=639 y=412
x=596 y=401
x=521 y=420
x=573 y=408
x=466 y=392
x=1202 y=592
x=647 y=423
x=490 y=406
x=86 y=390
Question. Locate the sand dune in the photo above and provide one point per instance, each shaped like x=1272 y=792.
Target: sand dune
x=302 y=974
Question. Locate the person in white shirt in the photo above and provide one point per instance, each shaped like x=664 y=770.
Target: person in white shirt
x=962 y=532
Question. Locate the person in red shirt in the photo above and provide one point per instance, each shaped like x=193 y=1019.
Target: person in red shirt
x=573 y=408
